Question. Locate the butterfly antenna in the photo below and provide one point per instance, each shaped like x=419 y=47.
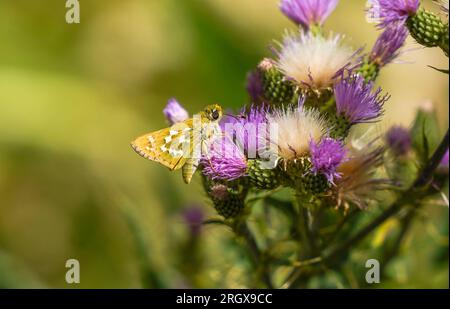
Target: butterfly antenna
x=233 y=116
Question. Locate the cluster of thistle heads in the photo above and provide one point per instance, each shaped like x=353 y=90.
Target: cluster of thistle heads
x=304 y=101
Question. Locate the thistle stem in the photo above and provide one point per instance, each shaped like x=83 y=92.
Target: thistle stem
x=410 y=196
x=304 y=228
x=305 y=236
x=241 y=229
x=393 y=250
x=427 y=173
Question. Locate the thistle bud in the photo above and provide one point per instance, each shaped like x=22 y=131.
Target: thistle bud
x=427 y=28
x=297 y=168
x=399 y=140
x=356 y=102
x=262 y=178
x=369 y=70
x=276 y=88
x=227 y=202
x=340 y=124
x=315 y=184
x=317 y=98
x=299 y=171
x=302 y=178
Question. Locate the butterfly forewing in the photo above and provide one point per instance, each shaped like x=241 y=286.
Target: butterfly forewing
x=170 y=147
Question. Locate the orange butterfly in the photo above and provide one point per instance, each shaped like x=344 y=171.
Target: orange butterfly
x=182 y=144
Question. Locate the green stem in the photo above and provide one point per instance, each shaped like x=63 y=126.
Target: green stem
x=258 y=257
x=304 y=226
x=393 y=250
x=411 y=196
x=304 y=233
x=150 y=276
x=427 y=173
x=339 y=227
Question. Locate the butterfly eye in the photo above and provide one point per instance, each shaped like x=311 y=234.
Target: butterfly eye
x=215 y=114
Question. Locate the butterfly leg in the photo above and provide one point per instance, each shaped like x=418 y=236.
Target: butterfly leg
x=205 y=150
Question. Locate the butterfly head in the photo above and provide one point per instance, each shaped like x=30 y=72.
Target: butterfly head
x=213 y=112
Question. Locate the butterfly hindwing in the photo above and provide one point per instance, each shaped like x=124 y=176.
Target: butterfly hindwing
x=170 y=147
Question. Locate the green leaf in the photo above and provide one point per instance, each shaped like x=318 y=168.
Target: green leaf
x=425 y=134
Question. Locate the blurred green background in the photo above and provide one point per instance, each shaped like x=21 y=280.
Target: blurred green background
x=72 y=97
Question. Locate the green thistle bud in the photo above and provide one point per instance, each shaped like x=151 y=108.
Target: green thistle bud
x=262 y=178
x=317 y=98
x=227 y=197
x=315 y=184
x=296 y=169
x=427 y=28
x=369 y=71
x=227 y=202
x=341 y=126
x=299 y=171
x=229 y=208
x=277 y=89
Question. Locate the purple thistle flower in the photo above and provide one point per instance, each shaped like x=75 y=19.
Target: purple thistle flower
x=193 y=217
x=175 y=112
x=444 y=162
x=387 y=12
x=399 y=140
x=388 y=44
x=254 y=85
x=326 y=156
x=356 y=101
x=248 y=129
x=225 y=161
x=308 y=12
x=255 y=128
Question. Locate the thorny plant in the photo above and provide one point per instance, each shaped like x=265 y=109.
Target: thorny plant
x=314 y=171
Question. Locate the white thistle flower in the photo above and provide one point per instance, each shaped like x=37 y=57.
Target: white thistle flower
x=359 y=180
x=313 y=61
x=443 y=4
x=296 y=127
